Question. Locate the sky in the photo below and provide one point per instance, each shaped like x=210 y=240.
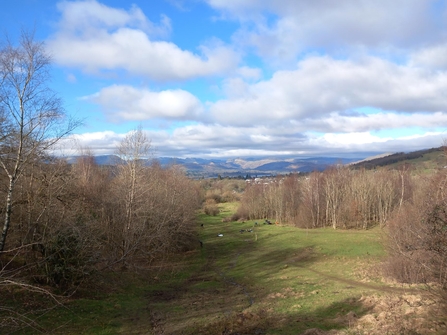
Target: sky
x=246 y=78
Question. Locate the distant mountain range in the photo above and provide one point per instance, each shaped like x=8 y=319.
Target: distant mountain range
x=433 y=158
x=199 y=167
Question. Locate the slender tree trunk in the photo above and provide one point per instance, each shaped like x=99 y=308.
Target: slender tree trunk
x=7 y=222
x=402 y=191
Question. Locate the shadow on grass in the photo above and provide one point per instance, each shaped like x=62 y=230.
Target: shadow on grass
x=343 y=314
x=247 y=273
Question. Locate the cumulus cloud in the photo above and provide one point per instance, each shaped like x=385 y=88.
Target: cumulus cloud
x=337 y=122
x=196 y=140
x=326 y=62
x=95 y=37
x=366 y=142
x=284 y=28
x=86 y=17
x=250 y=73
x=433 y=57
x=127 y=103
x=218 y=141
x=322 y=85
x=100 y=143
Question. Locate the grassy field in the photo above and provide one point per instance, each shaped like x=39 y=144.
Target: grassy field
x=272 y=280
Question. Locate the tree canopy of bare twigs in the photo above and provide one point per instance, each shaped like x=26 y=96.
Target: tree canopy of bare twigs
x=417 y=237
x=32 y=118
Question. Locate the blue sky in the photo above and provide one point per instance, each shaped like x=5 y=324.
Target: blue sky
x=236 y=78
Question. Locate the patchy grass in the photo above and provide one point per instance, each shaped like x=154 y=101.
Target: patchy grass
x=291 y=273
x=272 y=280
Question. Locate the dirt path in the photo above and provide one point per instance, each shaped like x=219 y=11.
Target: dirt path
x=207 y=308
x=232 y=281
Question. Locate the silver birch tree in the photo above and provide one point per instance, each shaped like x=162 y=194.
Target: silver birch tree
x=32 y=116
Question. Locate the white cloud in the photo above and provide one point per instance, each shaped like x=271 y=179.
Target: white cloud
x=95 y=37
x=328 y=62
x=126 y=103
x=250 y=73
x=366 y=142
x=86 y=17
x=433 y=57
x=343 y=140
x=285 y=28
x=338 y=122
x=321 y=85
x=100 y=143
x=217 y=141
x=235 y=88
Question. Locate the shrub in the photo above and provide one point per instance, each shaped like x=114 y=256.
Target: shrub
x=210 y=201
x=67 y=260
x=241 y=214
x=212 y=210
x=230 y=196
x=217 y=198
x=406 y=269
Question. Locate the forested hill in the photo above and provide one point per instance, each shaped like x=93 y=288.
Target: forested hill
x=421 y=159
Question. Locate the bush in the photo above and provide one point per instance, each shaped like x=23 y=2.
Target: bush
x=213 y=196
x=231 y=196
x=67 y=262
x=406 y=269
x=212 y=210
x=241 y=214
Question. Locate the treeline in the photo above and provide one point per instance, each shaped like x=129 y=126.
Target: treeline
x=339 y=197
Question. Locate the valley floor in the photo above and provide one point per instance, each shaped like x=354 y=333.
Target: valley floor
x=250 y=278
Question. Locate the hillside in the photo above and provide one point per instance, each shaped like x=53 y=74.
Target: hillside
x=427 y=159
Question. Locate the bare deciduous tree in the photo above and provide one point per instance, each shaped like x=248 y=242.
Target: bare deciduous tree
x=132 y=189
x=33 y=118
x=313 y=199
x=417 y=237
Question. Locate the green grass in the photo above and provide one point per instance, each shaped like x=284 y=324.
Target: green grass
x=279 y=279
x=295 y=272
